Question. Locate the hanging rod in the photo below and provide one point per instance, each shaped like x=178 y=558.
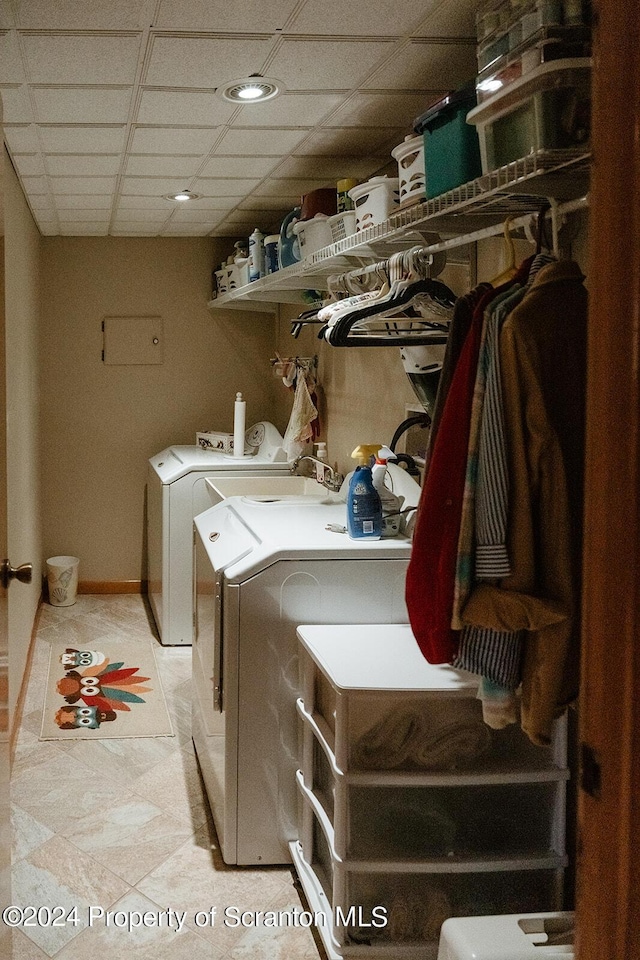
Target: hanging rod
x=555 y=212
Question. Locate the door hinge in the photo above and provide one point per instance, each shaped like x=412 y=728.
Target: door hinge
x=590 y=771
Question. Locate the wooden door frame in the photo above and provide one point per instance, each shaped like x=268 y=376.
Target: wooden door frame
x=608 y=889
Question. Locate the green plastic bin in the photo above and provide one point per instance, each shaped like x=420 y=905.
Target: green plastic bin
x=451 y=146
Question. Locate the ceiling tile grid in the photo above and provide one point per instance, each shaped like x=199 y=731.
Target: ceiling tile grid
x=110 y=105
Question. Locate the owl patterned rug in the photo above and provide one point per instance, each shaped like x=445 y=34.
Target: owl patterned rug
x=112 y=692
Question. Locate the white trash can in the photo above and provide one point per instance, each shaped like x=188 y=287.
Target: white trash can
x=62 y=578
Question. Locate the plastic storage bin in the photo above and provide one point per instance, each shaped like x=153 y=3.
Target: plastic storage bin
x=451 y=147
x=375 y=201
x=547 y=109
x=508 y=937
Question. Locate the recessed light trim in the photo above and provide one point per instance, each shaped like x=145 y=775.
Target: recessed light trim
x=182 y=196
x=254 y=89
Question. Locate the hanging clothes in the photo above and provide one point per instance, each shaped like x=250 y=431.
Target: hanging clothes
x=432 y=568
x=543 y=359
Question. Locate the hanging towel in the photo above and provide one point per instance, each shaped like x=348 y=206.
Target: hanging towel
x=299 y=429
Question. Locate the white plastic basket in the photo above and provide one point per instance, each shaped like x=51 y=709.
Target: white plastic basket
x=409 y=156
x=375 y=201
x=342 y=225
x=313 y=234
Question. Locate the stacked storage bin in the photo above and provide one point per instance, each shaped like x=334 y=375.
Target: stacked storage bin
x=534 y=77
x=412 y=811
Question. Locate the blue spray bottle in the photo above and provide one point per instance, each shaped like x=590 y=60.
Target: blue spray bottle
x=364 y=509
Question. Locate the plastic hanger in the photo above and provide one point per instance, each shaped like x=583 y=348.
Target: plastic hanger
x=510 y=270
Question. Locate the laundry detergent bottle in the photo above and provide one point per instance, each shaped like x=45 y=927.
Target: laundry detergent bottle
x=364 y=509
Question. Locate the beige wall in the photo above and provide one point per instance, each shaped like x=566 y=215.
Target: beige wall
x=22 y=292
x=101 y=423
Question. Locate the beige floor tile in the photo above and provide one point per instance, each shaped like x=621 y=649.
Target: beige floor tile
x=58 y=874
x=63 y=791
x=25 y=949
x=282 y=935
x=131 y=838
x=195 y=879
x=145 y=942
x=27 y=833
x=122 y=761
x=175 y=785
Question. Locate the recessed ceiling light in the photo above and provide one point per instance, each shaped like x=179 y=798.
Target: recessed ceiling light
x=253 y=89
x=182 y=196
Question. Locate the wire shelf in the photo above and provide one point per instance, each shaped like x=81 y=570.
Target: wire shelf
x=461 y=216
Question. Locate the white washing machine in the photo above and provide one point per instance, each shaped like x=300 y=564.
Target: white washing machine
x=176 y=492
x=262 y=568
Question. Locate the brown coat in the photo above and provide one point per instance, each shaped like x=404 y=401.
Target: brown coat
x=543 y=361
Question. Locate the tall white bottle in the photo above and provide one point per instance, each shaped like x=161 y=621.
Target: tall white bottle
x=256 y=255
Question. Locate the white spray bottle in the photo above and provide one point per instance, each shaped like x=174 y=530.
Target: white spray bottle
x=391 y=504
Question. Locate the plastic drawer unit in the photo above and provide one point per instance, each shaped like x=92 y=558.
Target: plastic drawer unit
x=411 y=810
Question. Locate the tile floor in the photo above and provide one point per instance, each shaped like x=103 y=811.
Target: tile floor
x=124 y=825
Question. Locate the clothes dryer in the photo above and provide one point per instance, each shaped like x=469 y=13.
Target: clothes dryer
x=176 y=492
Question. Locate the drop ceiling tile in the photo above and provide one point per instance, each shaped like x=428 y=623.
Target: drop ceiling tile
x=249 y=143
x=238 y=166
x=76 y=139
x=82 y=185
x=91 y=229
x=180 y=142
x=29 y=164
x=204 y=61
x=187 y=229
x=167 y=107
x=135 y=230
x=427 y=66
x=81 y=59
x=197 y=215
x=43 y=205
x=352 y=141
x=151 y=216
x=96 y=14
x=48 y=229
x=21 y=138
x=90 y=214
x=140 y=186
x=11 y=69
x=327 y=64
x=450 y=20
x=84 y=201
x=289 y=110
x=223 y=188
x=184 y=167
x=334 y=168
x=16 y=104
x=263 y=203
x=145 y=203
x=257 y=16
x=340 y=19
x=6 y=15
x=82 y=104
x=82 y=165
x=383 y=109
x=291 y=189
x=35 y=185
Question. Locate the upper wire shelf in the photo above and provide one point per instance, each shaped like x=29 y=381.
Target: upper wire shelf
x=459 y=217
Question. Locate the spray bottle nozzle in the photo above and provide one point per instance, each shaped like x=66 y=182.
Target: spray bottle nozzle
x=364 y=452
